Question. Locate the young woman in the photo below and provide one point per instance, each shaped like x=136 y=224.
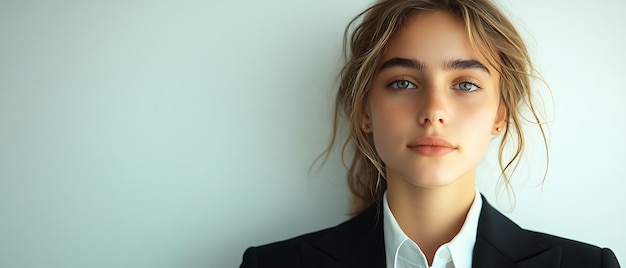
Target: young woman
x=427 y=85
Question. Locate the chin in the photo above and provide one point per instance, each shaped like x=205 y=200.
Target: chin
x=431 y=184
x=431 y=180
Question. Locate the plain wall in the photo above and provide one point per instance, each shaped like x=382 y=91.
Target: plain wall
x=178 y=133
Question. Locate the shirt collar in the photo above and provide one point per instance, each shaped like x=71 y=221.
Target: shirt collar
x=399 y=248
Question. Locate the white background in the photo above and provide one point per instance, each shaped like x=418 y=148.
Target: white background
x=178 y=133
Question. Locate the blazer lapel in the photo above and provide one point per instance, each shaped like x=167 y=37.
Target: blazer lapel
x=502 y=243
x=356 y=243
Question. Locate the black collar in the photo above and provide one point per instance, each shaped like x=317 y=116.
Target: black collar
x=359 y=242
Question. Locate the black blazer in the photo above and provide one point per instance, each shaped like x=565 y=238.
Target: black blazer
x=359 y=242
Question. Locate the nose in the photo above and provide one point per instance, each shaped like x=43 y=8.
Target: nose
x=432 y=107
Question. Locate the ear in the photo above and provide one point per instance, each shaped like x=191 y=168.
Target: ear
x=500 y=122
x=366 y=123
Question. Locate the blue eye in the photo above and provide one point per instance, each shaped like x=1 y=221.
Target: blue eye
x=466 y=86
x=401 y=84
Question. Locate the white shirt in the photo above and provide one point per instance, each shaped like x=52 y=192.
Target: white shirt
x=402 y=252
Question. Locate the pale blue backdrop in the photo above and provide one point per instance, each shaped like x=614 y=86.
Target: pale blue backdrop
x=178 y=133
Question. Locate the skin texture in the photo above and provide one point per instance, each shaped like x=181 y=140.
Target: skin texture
x=448 y=96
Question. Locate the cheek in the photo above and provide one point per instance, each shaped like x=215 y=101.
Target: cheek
x=391 y=118
x=391 y=122
x=480 y=120
x=475 y=128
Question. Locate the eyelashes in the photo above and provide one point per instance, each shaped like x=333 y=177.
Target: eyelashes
x=401 y=84
x=465 y=86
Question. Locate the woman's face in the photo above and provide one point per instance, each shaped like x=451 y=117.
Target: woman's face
x=433 y=104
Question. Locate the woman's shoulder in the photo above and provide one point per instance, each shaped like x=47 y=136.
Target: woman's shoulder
x=350 y=227
x=358 y=234
x=563 y=242
x=499 y=238
x=288 y=247
x=279 y=254
x=577 y=253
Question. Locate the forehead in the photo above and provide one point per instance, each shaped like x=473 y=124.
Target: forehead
x=431 y=37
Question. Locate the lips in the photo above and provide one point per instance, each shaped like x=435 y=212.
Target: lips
x=431 y=146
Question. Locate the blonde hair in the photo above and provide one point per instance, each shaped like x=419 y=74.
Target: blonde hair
x=491 y=35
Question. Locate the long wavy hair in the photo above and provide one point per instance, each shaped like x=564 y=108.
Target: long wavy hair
x=491 y=35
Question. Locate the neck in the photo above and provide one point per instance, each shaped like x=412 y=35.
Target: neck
x=430 y=216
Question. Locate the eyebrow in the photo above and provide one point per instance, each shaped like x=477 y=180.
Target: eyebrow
x=464 y=65
x=448 y=65
x=403 y=62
